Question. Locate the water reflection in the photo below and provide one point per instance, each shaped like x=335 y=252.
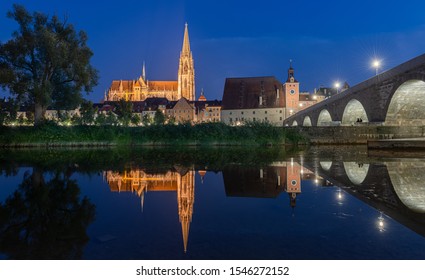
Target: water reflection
x=180 y=180
x=340 y=195
x=45 y=218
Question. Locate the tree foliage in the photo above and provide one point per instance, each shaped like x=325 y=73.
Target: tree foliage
x=47 y=62
x=124 y=111
x=159 y=117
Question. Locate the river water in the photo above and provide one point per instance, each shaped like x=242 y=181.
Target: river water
x=268 y=203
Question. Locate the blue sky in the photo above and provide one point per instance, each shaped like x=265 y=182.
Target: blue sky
x=327 y=40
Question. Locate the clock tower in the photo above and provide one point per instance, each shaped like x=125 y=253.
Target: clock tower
x=291 y=88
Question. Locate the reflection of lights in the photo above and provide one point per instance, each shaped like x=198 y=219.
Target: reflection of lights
x=381 y=223
x=316 y=181
x=339 y=196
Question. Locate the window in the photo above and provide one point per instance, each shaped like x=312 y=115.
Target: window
x=265 y=118
x=265 y=112
x=230 y=119
x=280 y=118
x=242 y=113
x=253 y=112
x=253 y=119
x=280 y=111
x=230 y=113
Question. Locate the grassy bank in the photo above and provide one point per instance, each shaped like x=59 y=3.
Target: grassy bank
x=256 y=134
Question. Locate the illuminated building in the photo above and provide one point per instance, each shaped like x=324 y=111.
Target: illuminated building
x=140 y=89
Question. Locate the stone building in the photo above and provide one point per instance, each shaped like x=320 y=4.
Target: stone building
x=264 y=99
x=140 y=89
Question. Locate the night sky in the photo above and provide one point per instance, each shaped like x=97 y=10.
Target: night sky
x=327 y=40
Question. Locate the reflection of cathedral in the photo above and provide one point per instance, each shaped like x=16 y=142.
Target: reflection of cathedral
x=240 y=181
x=181 y=181
x=140 y=89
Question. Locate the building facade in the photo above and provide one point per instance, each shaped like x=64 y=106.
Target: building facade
x=141 y=88
x=255 y=99
x=263 y=99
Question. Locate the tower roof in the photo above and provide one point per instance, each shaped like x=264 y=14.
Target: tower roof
x=186 y=43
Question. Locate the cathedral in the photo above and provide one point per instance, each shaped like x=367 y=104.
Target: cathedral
x=140 y=89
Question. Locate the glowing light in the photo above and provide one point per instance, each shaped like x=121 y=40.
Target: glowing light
x=376 y=63
x=337 y=85
x=381 y=223
x=339 y=194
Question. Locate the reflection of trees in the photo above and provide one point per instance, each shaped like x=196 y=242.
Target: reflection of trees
x=45 y=219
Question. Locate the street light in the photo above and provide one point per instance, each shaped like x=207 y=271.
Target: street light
x=337 y=85
x=376 y=64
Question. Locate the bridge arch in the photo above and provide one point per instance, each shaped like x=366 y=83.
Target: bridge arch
x=324 y=119
x=295 y=123
x=407 y=179
x=307 y=121
x=353 y=112
x=407 y=106
x=326 y=165
x=356 y=172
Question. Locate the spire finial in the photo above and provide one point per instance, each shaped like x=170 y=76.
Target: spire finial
x=290 y=63
x=144 y=71
x=186 y=44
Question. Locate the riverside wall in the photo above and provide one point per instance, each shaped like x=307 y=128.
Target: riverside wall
x=359 y=134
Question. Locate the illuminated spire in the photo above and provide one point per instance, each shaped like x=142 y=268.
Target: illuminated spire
x=186 y=43
x=144 y=71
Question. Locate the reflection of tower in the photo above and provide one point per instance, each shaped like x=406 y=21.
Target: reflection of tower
x=185 y=200
x=138 y=181
x=293 y=181
x=202 y=174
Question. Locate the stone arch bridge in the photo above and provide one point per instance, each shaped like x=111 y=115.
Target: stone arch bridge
x=393 y=98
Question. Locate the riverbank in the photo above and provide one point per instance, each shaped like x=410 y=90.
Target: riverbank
x=210 y=134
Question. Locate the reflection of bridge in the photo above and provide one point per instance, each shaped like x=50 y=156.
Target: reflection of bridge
x=393 y=98
x=395 y=187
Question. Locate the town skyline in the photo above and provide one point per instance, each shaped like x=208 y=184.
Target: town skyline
x=326 y=42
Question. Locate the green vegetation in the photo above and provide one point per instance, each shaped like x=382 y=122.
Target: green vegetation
x=50 y=134
x=47 y=62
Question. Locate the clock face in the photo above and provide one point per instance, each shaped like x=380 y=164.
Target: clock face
x=292 y=91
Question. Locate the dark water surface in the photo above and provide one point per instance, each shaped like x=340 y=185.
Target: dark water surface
x=322 y=203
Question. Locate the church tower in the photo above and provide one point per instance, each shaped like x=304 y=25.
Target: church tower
x=291 y=88
x=186 y=76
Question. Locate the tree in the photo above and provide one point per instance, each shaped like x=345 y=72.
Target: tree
x=135 y=119
x=87 y=112
x=146 y=120
x=124 y=111
x=46 y=62
x=159 y=117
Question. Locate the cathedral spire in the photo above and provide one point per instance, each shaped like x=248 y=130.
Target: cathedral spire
x=144 y=71
x=186 y=76
x=186 y=43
